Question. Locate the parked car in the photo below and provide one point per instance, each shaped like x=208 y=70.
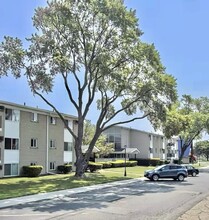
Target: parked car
x=174 y=171
x=192 y=171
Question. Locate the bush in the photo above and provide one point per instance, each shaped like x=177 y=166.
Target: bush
x=106 y=164
x=148 y=162
x=132 y=163
x=32 y=171
x=67 y=168
x=118 y=163
x=94 y=166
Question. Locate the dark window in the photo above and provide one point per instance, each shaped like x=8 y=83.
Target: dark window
x=68 y=146
x=53 y=120
x=52 y=166
x=11 y=144
x=8 y=114
x=0 y=122
x=8 y=143
x=34 y=142
x=11 y=169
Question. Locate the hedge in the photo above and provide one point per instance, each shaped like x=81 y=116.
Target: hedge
x=67 y=168
x=32 y=171
x=92 y=167
x=105 y=164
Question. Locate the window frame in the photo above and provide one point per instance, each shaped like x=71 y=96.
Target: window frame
x=52 y=144
x=52 y=165
x=1 y=122
x=34 y=116
x=11 y=140
x=53 y=120
x=69 y=146
x=12 y=169
x=34 y=143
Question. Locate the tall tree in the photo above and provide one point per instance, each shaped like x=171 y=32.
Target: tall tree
x=95 y=46
x=187 y=119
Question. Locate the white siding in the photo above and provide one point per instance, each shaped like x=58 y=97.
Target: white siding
x=11 y=156
x=12 y=129
x=68 y=156
x=67 y=136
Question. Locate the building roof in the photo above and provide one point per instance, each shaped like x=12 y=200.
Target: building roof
x=85 y=148
x=128 y=150
x=28 y=108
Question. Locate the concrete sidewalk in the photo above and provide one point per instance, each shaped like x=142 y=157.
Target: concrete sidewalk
x=199 y=212
x=50 y=195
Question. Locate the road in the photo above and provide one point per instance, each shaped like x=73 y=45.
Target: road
x=143 y=200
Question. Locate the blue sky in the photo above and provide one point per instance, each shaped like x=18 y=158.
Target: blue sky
x=178 y=28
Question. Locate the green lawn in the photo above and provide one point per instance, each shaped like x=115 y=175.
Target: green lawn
x=21 y=186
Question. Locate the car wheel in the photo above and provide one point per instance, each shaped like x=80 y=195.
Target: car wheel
x=181 y=177
x=194 y=174
x=155 y=177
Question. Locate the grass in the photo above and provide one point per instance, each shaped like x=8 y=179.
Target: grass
x=22 y=186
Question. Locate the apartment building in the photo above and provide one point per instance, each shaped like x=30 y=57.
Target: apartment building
x=33 y=136
x=149 y=145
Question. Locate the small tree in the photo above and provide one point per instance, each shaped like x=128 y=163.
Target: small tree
x=95 y=47
x=104 y=147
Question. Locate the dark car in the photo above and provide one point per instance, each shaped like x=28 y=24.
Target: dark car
x=174 y=171
x=192 y=171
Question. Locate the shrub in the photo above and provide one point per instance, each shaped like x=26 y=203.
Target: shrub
x=132 y=163
x=67 y=168
x=94 y=166
x=118 y=163
x=106 y=164
x=32 y=171
x=148 y=162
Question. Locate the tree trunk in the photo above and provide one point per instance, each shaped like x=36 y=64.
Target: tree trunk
x=81 y=166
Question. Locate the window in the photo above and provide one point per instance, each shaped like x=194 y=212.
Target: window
x=8 y=115
x=11 y=144
x=11 y=169
x=0 y=122
x=34 y=143
x=53 y=120
x=68 y=146
x=52 y=165
x=34 y=117
x=52 y=144
x=12 y=115
x=69 y=123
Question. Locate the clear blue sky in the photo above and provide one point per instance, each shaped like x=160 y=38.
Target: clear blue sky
x=178 y=28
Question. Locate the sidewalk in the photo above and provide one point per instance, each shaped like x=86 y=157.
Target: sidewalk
x=50 y=195
x=199 y=212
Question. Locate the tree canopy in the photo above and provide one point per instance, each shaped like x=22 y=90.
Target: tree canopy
x=188 y=119
x=94 y=46
x=202 y=149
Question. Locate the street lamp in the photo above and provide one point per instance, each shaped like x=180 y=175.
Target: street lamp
x=125 y=162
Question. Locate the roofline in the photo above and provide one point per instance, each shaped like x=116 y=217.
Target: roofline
x=134 y=129
x=28 y=108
